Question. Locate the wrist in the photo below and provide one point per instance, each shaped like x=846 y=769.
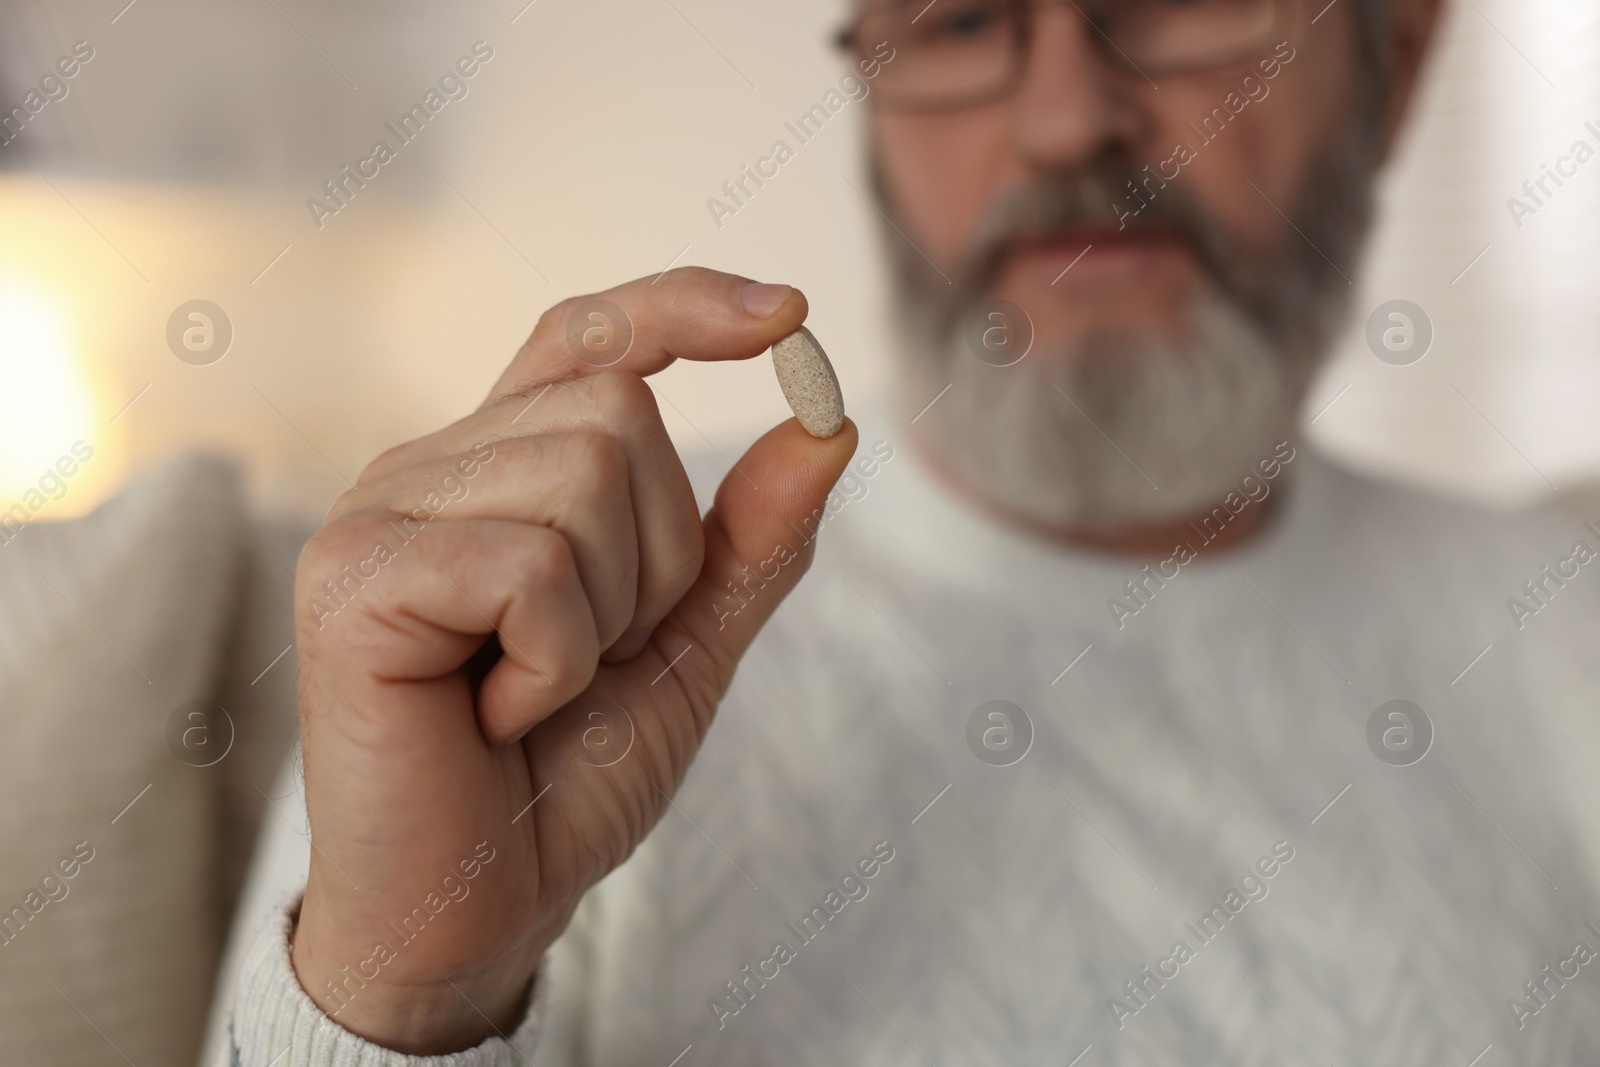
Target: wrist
x=354 y=988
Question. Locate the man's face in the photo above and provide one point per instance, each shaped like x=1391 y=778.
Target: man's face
x=1176 y=320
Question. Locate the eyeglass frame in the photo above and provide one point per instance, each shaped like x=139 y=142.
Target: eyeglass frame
x=848 y=38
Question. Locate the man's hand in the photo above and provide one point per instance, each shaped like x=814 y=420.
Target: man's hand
x=496 y=704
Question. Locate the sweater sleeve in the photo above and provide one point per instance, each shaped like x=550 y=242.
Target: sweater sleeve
x=275 y=1023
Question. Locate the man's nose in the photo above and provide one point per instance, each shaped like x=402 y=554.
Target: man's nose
x=1072 y=105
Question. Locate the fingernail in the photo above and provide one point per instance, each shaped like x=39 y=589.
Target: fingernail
x=761 y=299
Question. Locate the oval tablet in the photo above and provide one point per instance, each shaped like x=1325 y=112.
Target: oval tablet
x=809 y=383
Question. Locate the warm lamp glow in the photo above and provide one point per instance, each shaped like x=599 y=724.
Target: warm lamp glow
x=45 y=403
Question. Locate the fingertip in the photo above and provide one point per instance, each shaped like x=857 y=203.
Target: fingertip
x=843 y=448
x=514 y=699
x=775 y=307
x=848 y=427
x=763 y=299
x=840 y=444
x=627 y=646
x=788 y=464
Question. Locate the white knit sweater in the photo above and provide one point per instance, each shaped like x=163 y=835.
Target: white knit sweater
x=1198 y=858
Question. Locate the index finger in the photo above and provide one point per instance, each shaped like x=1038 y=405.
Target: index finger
x=643 y=325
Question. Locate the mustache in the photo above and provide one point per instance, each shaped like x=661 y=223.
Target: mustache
x=1107 y=193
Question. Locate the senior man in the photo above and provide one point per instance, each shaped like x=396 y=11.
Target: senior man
x=1111 y=726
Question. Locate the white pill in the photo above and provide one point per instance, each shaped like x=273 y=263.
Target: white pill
x=809 y=383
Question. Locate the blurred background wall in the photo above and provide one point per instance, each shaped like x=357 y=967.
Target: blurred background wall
x=179 y=164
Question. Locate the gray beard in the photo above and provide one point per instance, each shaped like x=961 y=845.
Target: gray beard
x=1116 y=432
x=1113 y=431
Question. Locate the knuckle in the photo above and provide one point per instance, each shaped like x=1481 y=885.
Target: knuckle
x=567 y=654
x=541 y=560
x=552 y=324
x=693 y=277
x=328 y=557
x=386 y=462
x=684 y=568
x=625 y=401
x=329 y=545
x=569 y=664
x=309 y=564
x=593 y=459
x=343 y=505
x=679 y=565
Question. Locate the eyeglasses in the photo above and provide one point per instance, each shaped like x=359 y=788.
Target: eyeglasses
x=956 y=53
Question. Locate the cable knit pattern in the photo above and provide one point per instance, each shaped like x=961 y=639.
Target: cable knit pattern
x=1199 y=858
x=276 y=1024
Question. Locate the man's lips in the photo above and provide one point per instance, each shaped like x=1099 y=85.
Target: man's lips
x=1093 y=249
x=1109 y=238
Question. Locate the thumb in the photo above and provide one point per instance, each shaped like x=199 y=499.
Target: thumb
x=760 y=537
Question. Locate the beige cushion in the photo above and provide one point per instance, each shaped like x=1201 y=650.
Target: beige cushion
x=168 y=593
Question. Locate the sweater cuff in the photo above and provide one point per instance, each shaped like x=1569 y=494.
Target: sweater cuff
x=275 y=1023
